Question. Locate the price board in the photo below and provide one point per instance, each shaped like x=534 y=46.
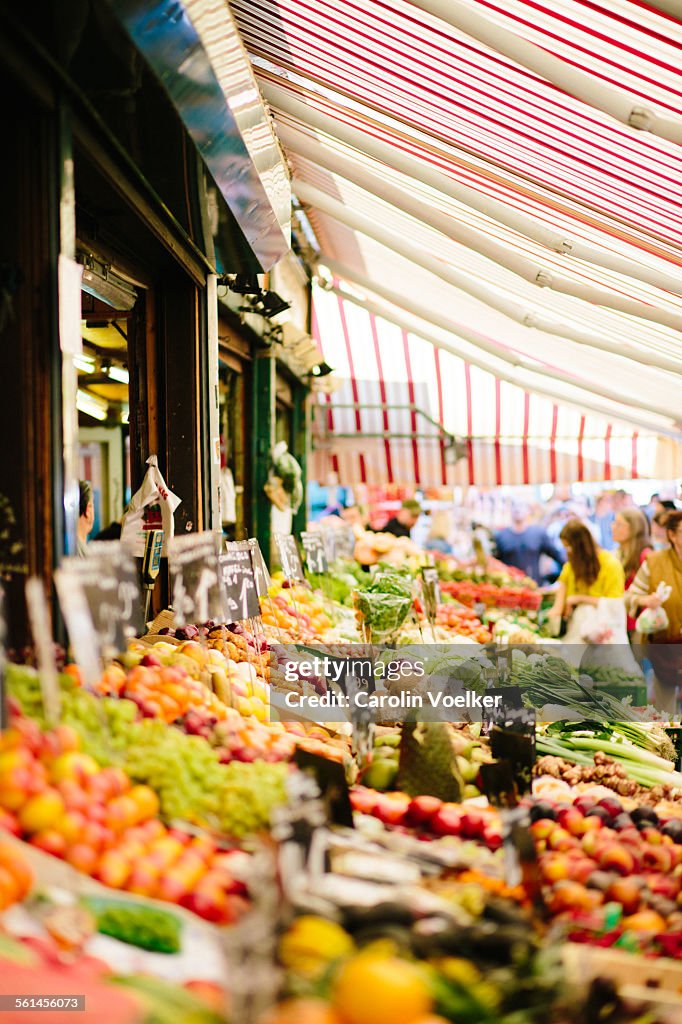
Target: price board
x=260 y=569
x=314 y=551
x=239 y=582
x=108 y=582
x=287 y=549
x=100 y=599
x=198 y=594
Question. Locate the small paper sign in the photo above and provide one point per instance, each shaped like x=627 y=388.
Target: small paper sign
x=260 y=569
x=85 y=641
x=198 y=594
x=314 y=551
x=344 y=542
x=41 y=629
x=287 y=549
x=430 y=592
x=239 y=583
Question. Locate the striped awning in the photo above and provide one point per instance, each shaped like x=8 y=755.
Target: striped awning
x=412 y=413
x=502 y=177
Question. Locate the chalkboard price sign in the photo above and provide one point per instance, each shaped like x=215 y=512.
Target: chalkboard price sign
x=239 y=583
x=289 y=556
x=260 y=569
x=197 y=588
x=100 y=598
x=315 y=554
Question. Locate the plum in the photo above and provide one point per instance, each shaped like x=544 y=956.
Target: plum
x=542 y=809
x=673 y=828
x=611 y=804
x=645 y=815
x=622 y=821
x=599 y=812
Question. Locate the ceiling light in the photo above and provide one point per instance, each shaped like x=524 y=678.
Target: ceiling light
x=244 y=284
x=86 y=364
x=322 y=370
x=103 y=283
x=119 y=374
x=274 y=305
x=91 y=405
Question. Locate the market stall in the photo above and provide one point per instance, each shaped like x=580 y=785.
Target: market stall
x=213 y=819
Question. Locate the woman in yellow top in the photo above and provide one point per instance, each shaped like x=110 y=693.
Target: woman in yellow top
x=588 y=574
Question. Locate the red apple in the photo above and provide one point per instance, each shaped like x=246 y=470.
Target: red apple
x=422 y=809
x=447 y=820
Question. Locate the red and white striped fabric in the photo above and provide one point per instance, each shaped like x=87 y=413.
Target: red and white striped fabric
x=475 y=139
x=384 y=422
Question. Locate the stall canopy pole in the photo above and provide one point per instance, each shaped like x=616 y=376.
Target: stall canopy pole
x=481 y=243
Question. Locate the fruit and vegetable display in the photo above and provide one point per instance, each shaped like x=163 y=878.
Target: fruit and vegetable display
x=166 y=806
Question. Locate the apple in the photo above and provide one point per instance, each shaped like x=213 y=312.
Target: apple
x=555 y=867
x=391 y=808
x=165 y=851
x=581 y=869
x=422 y=809
x=447 y=820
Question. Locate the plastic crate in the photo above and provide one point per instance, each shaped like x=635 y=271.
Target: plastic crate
x=637 y=691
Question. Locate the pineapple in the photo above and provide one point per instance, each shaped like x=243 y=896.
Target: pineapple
x=428 y=761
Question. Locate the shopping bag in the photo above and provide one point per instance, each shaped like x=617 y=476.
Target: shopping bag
x=603 y=623
x=151 y=508
x=654 y=620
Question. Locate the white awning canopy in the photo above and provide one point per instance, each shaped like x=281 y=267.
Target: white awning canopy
x=501 y=180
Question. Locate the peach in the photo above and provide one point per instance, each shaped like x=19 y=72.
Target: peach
x=627 y=892
x=165 y=851
x=555 y=867
x=73 y=794
x=144 y=877
x=121 y=813
x=560 y=840
x=656 y=858
x=113 y=869
x=82 y=857
x=614 y=857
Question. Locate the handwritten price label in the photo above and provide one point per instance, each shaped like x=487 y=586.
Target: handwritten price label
x=197 y=590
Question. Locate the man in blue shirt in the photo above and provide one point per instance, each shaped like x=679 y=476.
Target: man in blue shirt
x=522 y=543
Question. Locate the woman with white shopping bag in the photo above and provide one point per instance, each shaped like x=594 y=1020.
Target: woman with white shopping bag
x=590 y=594
x=656 y=594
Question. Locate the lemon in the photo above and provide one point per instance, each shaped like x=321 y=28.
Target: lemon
x=311 y=943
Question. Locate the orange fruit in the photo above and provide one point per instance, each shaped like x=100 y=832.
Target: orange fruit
x=12 y=861
x=146 y=800
x=377 y=989
x=301 y=1011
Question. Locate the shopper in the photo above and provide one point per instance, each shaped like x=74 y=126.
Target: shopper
x=631 y=533
x=664 y=649
x=589 y=574
x=406 y=518
x=86 y=516
x=522 y=543
x=440 y=530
